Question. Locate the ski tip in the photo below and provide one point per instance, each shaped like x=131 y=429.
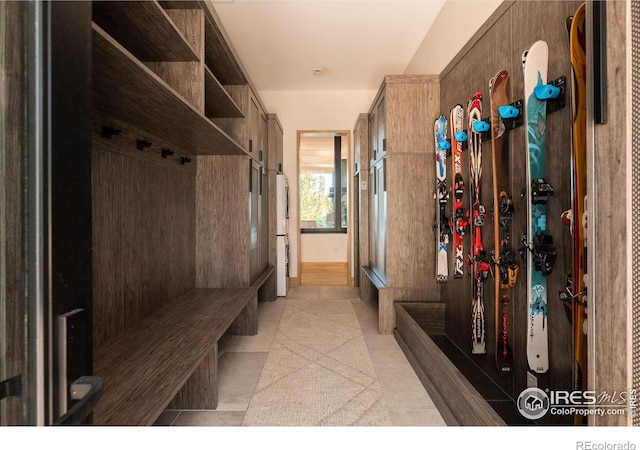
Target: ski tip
x=461 y=136
x=444 y=145
x=546 y=91
x=480 y=126
x=478 y=349
x=508 y=112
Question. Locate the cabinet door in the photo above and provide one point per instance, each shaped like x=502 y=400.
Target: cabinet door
x=373 y=137
x=262 y=138
x=382 y=128
x=381 y=219
x=378 y=219
x=373 y=217
x=254 y=218
x=254 y=126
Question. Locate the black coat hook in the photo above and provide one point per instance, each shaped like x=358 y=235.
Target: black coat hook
x=108 y=131
x=141 y=144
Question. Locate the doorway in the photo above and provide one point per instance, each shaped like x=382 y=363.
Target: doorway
x=323 y=205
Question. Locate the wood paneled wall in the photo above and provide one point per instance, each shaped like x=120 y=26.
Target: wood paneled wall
x=143 y=228
x=223 y=251
x=12 y=264
x=609 y=287
x=499 y=44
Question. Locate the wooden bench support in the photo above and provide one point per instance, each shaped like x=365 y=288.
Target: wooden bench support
x=246 y=324
x=370 y=285
x=201 y=389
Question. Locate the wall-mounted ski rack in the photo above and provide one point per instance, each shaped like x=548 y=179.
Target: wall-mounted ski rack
x=559 y=102
x=445 y=145
x=512 y=115
x=184 y=160
x=483 y=128
x=141 y=144
x=109 y=131
x=165 y=152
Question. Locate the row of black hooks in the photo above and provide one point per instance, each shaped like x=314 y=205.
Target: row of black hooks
x=108 y=132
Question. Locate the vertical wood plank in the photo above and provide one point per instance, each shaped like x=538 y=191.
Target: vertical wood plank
x=108 y=305
x=222 y=226
x=12 y=263
x=609 y=297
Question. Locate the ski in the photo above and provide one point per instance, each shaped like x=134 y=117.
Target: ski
x=541 y=251
x=478 y=265
x=441 y=227
x=459 y=214
x=504 y=258
x=575 y=294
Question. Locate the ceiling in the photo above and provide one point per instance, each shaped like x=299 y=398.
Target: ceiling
x=352 y=44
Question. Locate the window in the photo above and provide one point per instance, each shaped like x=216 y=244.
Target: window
x=323 y=172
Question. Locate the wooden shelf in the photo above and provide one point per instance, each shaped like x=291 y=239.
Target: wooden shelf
x=218 y=55
x=218 y=102
x=144 y=29
x=125 y=89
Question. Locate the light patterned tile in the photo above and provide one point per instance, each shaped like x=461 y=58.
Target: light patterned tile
x=426 y=418
x=209 y=418
x=302 y=398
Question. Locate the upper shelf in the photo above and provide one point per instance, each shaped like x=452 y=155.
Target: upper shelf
x=126 y=89
x=144 y=28
x=218 y=54
x=218 y=103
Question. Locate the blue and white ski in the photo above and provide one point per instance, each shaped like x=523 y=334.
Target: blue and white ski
x=541 y=252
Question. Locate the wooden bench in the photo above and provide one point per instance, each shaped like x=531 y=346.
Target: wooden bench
x=171 y=358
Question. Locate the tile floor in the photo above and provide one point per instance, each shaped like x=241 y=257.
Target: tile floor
x=317 y=360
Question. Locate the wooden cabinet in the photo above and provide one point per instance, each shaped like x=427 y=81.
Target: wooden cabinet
x=179 y=152
x=401 y=246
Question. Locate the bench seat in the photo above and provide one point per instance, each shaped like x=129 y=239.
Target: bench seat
x=172 y=355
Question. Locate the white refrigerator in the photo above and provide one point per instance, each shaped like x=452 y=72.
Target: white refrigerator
x=282 y=234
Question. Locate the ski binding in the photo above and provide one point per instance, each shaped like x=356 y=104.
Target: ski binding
x=540 y=191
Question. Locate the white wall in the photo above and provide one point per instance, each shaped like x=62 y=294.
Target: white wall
x=456 y=23
x=312 y=110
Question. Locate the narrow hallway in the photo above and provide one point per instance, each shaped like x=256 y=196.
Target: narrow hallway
x=317 y=360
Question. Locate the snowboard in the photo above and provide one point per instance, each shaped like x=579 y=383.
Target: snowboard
x=479 y=267
x=541 y=251
x=575 y=296
x=504 y=258
x=459 y=221
x=441 y=227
